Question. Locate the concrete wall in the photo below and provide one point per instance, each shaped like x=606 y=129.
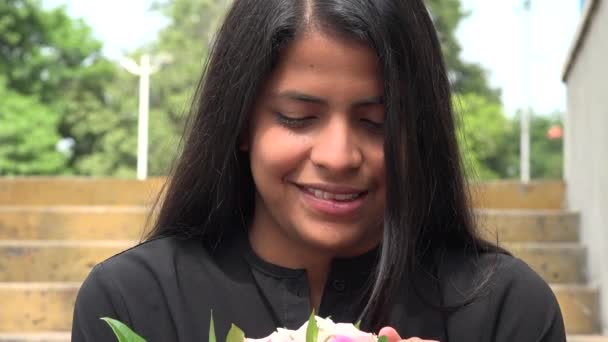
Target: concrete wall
x=586 y=143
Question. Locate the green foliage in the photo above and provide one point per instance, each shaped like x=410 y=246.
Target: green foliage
x=53 y=59
x=43 y=50
x=122 y=332
x=312 y=329
x=546 y=154
x=235 y=334
x=466 y=77
x=28 y=136
x=490 y=141
x=486 y=138
x=108 y=134
x=212 y=329
x=185 y=40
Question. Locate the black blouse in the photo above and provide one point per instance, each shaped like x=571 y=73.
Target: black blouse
x=166 y=288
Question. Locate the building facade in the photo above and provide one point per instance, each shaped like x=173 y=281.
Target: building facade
x=586 y=140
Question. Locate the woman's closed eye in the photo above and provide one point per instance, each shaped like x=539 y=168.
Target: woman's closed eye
x=373 y=125
x=300 y=122
x=294 y=121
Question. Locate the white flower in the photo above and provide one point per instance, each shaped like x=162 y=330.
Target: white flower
x=328 y=330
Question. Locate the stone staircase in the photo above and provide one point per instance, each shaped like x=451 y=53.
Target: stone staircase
x=52 y=231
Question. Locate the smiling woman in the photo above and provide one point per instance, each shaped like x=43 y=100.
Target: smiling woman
x=321 y=171
x=320 y=192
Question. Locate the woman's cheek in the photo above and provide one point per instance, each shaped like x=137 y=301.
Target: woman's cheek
x=280 y=152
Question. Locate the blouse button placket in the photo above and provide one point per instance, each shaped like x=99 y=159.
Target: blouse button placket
x=339 y=285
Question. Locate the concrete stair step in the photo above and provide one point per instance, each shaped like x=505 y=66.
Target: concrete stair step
x=587 y=338
x=510 y=225
x=36 y=307
x=510 y=194
x=63 y=260
x=78 y=191
x=557 y=263
x=54 y=261
x=107 y=191
x=128 y=222
x=579 y=305
x=72 y=222
x=48 y=336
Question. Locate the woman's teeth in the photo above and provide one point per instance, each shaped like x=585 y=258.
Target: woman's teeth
x=329 y=196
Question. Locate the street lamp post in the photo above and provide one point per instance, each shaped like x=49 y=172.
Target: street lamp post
x=144 y=69
x=524 y=152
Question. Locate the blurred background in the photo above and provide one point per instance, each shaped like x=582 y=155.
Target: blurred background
x=70 y=108
x=94 y=96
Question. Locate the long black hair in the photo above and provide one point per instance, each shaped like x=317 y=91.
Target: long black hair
x=211 y=191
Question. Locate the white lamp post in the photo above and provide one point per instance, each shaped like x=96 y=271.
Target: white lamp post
x=524 y=153
x=144 y=69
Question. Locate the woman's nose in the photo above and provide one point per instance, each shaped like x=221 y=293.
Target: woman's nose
x=336 y=148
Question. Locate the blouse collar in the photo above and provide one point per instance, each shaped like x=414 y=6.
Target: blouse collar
x=353 y=267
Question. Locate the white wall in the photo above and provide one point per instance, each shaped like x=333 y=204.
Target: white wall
x=586 y=148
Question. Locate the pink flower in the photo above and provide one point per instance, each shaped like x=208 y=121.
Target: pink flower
x=341 y=338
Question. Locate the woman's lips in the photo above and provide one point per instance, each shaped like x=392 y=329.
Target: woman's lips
x=333 y=204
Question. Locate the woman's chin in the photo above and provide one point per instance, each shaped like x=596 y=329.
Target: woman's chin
x=328 y=241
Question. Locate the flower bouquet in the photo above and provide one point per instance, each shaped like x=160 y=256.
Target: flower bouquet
x=317 y=329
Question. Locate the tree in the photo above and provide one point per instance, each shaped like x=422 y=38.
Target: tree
x=546 y=153
x=28 y=136
x=54 y=61
x=110 y=131
x=490 y=141
x=466 y=77
x=186 y=39
x=486 y=138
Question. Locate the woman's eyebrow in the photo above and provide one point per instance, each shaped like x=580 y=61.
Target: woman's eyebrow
x=370 y=101
x=303 y=97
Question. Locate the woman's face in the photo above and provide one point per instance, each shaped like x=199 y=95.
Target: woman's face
x=316 y=148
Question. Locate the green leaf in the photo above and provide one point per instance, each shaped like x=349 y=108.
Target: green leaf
x=123 y=332
x=235 y=334
x=382 y=339
x=358 y=325
x=212 y=329
x=312 y=330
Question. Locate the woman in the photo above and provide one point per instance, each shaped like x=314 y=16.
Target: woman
x=321 y=171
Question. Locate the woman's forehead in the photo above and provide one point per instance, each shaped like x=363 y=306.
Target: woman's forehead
x=325 y=52
x=321 y=64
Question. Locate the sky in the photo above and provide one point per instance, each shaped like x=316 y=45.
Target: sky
x=523 y=51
